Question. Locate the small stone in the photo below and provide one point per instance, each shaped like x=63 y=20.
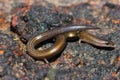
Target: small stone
x=18 y=71
x=5 y=26
x=1 y=68
x=19 y=74
x=46 y=78
x=101 y=62
x=2 y=52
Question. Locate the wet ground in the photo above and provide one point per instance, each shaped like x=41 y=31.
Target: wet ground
x=20 y=20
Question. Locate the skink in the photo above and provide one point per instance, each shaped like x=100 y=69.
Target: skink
x=54 y=50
